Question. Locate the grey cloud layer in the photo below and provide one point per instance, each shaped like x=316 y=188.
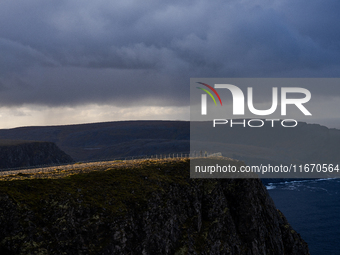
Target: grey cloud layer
x=132 y=52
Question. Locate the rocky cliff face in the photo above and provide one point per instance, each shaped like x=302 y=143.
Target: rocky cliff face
x=153 y=208
x=26 y=153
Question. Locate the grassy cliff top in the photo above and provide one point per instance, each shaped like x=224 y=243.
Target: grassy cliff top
x=112 y=186
x=118 y=182
x=64 y=171
x=124 y=205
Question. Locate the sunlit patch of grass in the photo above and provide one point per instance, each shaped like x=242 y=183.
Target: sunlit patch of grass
x=64 y=171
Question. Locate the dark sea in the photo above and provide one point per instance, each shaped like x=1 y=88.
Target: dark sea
x=312 y=207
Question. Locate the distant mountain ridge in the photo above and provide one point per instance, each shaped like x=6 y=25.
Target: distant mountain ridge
x=97 y=141
x=304 y=143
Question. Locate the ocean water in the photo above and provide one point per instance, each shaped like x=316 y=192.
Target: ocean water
x=312 y=207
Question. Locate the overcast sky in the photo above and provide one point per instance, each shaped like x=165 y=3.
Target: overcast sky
x=66 y=62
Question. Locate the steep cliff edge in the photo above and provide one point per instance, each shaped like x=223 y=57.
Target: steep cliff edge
x=30 y=153
x=149 y=208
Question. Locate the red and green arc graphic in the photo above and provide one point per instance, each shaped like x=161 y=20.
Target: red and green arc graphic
x=208 y=92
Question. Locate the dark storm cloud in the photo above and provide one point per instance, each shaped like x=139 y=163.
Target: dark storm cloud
x=16 y=57
x=130 y=52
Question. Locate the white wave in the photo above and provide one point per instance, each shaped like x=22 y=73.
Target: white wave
x=302 y=181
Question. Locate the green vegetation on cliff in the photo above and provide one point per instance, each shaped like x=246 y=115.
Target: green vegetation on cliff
x=148 y=207
x=109 y=188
